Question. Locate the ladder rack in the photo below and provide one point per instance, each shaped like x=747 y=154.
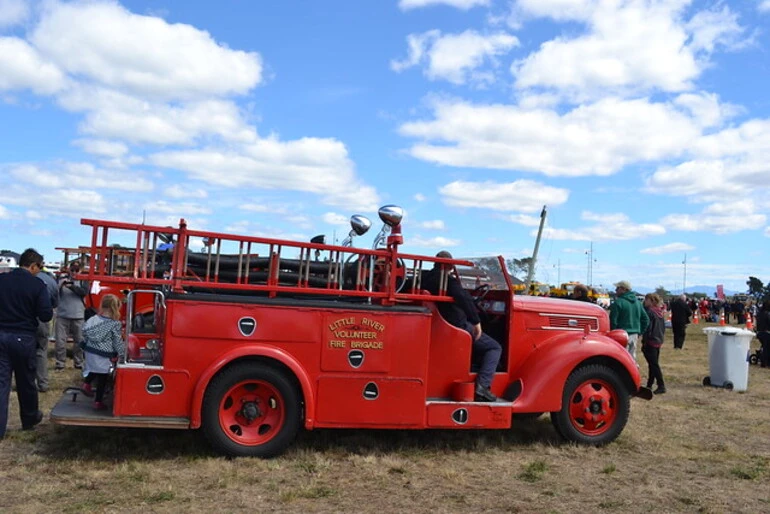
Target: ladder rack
x=189 y=260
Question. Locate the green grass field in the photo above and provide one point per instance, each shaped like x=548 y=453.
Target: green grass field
x=694 y=449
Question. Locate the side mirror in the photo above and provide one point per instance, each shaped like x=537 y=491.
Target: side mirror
x=319 y=239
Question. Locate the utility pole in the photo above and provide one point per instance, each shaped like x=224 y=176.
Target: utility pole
x=531 y=272
x=684 y=281
x=590 y=267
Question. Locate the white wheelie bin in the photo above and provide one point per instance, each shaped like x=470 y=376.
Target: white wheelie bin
x=728 y=357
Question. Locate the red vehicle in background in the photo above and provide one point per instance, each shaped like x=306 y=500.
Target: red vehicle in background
x=253 y=339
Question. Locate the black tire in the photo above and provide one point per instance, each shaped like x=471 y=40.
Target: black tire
x=728 y=385
x=263 y=393
x=706 y=381
x=754 y=359
x=595 y=406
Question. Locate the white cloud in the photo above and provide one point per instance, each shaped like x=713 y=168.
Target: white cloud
x=764 y=6
x=520 y=195
x=705 y=108
x=67 y=202
x=144 y=55
x=117 y=116
x=419 y=197
x=668 y=248
x=609 y=56
x=607 y=227
x=178 y=191
x=714 y=27
x=332 y=218
x=4 y=213
x=432 y=225
x=719 y=218
x=731 y=163
x=102 y=148
x=182 y=210
x=767 y=231
x=23 y=67
x=464 y=5
x=456 y=57
x=432 y=242
x=524 y=219
x=79 y=175
x=13 y=12
x=319 y=166
x=594 y=139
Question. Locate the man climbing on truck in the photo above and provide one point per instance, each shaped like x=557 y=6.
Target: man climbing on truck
x=463 y=314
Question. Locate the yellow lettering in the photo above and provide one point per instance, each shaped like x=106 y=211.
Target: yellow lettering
x=376 y=325
x=342 y=322
x=367 y=345
x=337 y=344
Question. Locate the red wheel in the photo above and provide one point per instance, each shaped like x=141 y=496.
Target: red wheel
x=595 y=406
x=251 y=410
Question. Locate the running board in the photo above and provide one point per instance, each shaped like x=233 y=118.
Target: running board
x=449 y=414
x=76 y=409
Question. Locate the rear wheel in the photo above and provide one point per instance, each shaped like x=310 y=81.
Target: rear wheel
x=595 y=406
x=251 y=410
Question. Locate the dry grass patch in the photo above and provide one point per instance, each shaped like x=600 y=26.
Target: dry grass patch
x=694 y=449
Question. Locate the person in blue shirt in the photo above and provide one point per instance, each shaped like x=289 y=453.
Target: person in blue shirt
x=23 y=301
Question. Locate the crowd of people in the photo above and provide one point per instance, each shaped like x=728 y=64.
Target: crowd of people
x=646 y=321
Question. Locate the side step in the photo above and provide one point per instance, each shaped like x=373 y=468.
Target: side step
x=75 y=409
x=472 y=415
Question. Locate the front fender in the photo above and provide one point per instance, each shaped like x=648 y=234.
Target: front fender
x=270 y=352
x=544 y=373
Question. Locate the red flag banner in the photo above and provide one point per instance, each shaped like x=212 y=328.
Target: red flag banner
x=720 y=292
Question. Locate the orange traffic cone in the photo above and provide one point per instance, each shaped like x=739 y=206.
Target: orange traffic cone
x=695 y=318
x=722 y=318
x=749 y=322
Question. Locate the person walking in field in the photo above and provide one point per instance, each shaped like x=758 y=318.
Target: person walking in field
x=680 y=318
x=627 y=313
x=652 y=340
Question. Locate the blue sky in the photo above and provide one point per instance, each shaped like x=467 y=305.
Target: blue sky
x=644 y=126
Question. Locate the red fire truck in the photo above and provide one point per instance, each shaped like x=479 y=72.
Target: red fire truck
x=252 y=339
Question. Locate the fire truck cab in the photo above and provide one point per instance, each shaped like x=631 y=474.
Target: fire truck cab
x=252 y=339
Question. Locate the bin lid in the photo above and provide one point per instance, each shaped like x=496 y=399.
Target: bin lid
x=728 y=331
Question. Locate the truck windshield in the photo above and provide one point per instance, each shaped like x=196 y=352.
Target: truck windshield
x=486 y=271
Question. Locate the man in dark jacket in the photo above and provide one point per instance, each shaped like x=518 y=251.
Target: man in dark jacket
x=680 y=318
x=626 y=312
x=462 y=314
x=763 y=333
x=23 y=301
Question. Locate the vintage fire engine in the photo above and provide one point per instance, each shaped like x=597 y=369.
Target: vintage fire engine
x=252 y=339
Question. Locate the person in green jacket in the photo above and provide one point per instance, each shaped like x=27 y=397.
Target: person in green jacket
x=627 y=312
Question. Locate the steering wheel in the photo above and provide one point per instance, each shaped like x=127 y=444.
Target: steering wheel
x=480 y=292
